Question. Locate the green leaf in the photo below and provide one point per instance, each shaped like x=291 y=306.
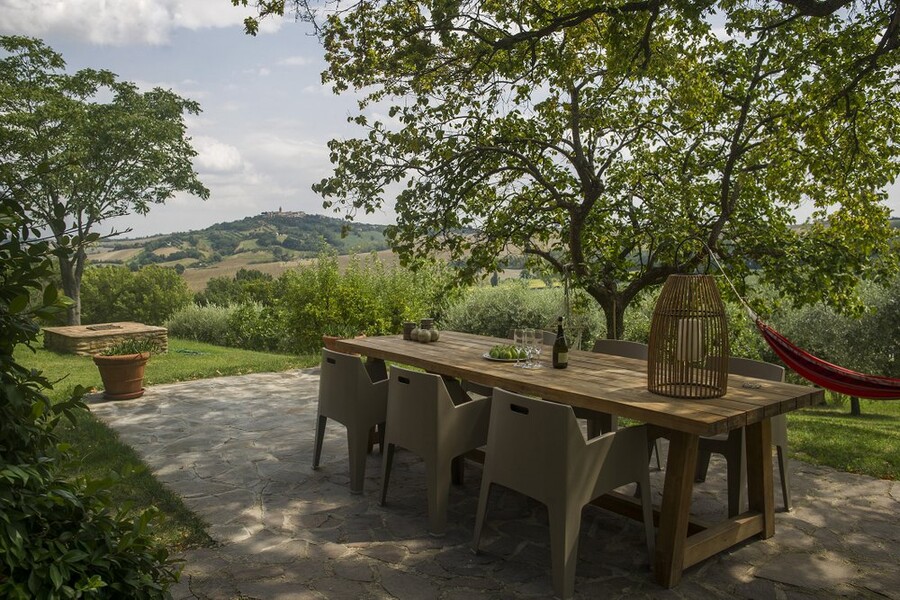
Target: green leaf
x=18 y=304
x=50 y=295
x=55 y=576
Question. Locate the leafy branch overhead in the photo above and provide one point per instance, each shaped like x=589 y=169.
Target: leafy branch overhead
x=595 y=138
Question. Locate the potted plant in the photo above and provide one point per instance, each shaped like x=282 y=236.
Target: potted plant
x=122 y=368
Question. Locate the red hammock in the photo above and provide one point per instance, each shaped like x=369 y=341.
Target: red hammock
x=827 y=375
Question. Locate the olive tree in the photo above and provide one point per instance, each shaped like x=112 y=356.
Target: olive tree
x=84 y=147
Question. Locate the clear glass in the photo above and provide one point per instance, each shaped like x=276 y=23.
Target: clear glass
x=537 y=346
x=519 y=341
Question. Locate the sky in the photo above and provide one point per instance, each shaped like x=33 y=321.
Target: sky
x=262 y=136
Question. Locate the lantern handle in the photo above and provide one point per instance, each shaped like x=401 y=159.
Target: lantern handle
x=697 y=238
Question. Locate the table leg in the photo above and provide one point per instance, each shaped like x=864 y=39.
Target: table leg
x=760 y=485
x=676 y=506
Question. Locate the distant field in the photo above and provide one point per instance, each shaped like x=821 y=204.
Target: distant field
x=115 y=255
x=228 y=267
x=166 y=251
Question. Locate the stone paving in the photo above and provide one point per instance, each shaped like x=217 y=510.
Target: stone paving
x=239 y=450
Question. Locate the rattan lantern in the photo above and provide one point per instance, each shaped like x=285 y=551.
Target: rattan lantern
x=688 y=354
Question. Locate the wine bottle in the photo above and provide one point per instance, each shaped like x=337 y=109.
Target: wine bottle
x=560 y=348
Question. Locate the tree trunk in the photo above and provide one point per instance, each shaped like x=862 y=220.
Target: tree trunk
x=854 y=407
x=615 y=319
x=71 y=284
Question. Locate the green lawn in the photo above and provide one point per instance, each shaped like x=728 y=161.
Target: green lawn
x=868 y=444
x=98 y=452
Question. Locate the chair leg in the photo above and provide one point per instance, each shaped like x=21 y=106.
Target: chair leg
x=737 y=483
x=438 y=482
x=785 y=477
x=565 y=523
x=370 y=441
x=357 y=445
x=702 y=465
x=381 y=428
x=657 y=448
x=481 y=512
x=458 y=470
x=320 y=435
x=647 y=514
x=600 y=424
x=386 y=460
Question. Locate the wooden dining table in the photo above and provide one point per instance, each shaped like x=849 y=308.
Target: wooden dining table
x=618 y=386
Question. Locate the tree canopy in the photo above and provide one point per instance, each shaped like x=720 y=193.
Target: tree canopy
x=598 y=137
x=78 y=149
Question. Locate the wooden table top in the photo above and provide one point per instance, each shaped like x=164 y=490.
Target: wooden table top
x=594 y=381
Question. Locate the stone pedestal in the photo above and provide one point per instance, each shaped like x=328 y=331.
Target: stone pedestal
x=87 y=340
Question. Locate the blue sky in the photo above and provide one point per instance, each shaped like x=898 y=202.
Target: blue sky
x=262 y=137
x=266 y=118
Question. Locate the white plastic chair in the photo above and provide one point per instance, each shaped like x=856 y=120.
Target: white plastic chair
x=733 y=446
x=436 y=419
x=348 y=395
x=536 y=447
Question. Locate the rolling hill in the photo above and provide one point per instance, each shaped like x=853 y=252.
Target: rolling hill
x=270 y=242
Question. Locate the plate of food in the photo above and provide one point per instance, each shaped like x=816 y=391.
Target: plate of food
x=504 y=353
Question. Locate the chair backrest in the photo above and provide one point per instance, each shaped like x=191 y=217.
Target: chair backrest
x=529 y=442
x=416 y=401
x=621 y=348
x=755 y=368
x=763 y=370
x=343 y=384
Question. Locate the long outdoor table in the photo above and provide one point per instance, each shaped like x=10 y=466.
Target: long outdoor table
x=618 y=386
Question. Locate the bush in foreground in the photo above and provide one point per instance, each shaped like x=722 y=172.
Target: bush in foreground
x=58 y=539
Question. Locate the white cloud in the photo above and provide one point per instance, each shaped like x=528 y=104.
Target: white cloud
x=295 y=61
x=216 y=156
x=120 y=22
x=278 y=147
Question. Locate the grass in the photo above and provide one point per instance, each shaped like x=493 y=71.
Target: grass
x=98 y=452
x=868 y=444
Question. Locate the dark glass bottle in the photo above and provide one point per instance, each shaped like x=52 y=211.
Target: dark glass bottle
x=560 y=348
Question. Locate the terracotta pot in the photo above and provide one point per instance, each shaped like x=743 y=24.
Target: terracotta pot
x=123 y=375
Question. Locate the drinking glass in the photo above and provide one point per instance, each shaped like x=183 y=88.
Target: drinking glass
x=519 y=341
x=528 y=339
x=537 y=346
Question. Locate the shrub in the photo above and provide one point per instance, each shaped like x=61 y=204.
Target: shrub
x=150 y=295
x=58 y=539
x=252 y=325
x=208 y=323
x=495 y=310
x=248 y=285
x=365 y=298
x=869 y=342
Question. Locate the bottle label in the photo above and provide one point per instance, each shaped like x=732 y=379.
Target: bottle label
x=562 y=358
